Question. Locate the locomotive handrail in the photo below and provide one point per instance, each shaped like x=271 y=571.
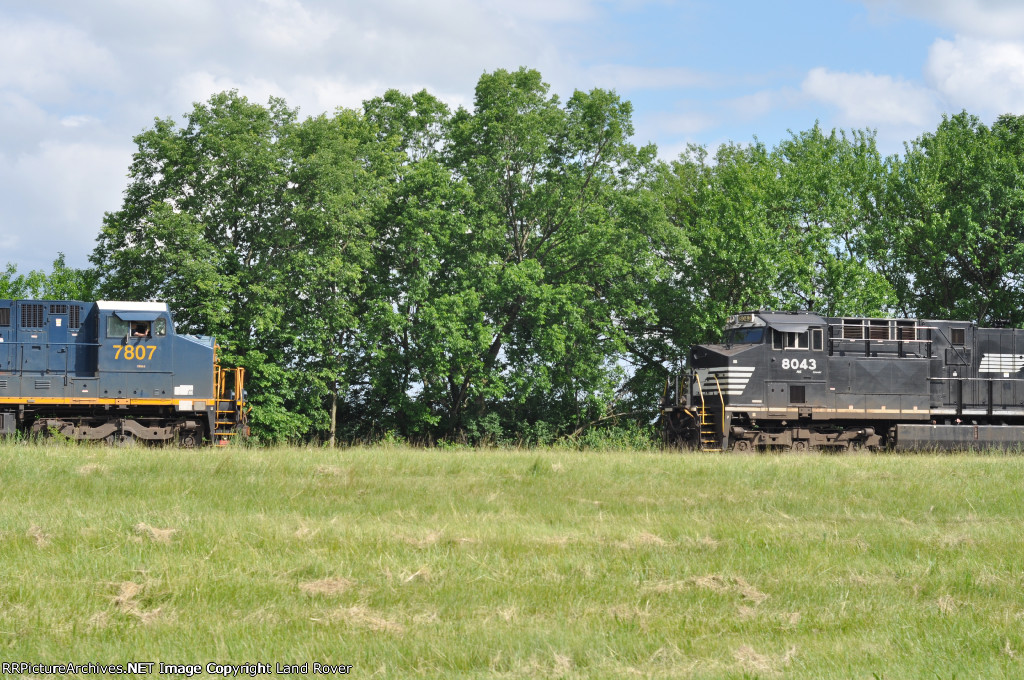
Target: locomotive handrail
x=721 y=398
x=887 y=344
x=917 y=337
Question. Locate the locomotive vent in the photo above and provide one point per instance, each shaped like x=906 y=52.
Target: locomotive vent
x=31 y=316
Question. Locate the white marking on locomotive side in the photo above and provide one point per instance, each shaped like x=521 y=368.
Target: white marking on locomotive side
x=1001 y=363
x=732 y=379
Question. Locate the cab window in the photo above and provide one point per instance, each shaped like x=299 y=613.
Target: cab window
x=744 y=336
x=789 y=340
x=117 y=328
x=160 y=327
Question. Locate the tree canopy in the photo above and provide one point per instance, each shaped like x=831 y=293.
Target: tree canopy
x=520 y=269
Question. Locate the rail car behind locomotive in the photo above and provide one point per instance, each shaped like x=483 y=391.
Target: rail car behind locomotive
x=112 y=371
x=797 y=380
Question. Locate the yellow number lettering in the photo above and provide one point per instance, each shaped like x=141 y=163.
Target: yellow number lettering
x=117 y=352
x=152 y=348
x=129 y=353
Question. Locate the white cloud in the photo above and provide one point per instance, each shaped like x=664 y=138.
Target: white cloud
x=991 y=18
x=866 y=99
x=78 y=80
x=288 y=25
x=49 y=61
x=199 y=85
x=761 y=103
x=63 y=191
x=77 y=121
x=546 y=10
x=982 y=76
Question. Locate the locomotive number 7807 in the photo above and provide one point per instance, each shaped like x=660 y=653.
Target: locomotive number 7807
x=134 y=353
x=794 y=364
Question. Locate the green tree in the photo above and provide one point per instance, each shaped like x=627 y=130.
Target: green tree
x=829 y=195
x=558 y=247
x=506 y=261
x=240 y=220
x=332 y=196
x=62 y=283
x=783 y=228
x=410 y=325
x=956 y=227
x=730 y=257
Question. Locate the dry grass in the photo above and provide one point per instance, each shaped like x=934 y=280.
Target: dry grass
x=155 y=534
x=326 y=586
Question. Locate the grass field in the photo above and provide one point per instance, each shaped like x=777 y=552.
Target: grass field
x=412 y=563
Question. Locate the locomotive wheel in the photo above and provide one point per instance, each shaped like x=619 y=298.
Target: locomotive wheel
x=189 y=439
x=120 y=439
x=741 y=446
x=800 y=446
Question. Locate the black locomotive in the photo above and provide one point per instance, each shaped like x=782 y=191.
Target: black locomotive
x=797 y=380
x=113 y=371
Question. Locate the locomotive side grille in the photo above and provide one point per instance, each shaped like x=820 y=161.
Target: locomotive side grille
x=853 y=330
x=58 y=309
x=32 y=316
x=906 y=330
x=42 y=384
x=3 y=384
x=75 y=317
x=5 y=316
x=879 y=330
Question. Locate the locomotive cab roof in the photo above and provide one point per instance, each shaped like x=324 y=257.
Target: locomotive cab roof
x=129 y=310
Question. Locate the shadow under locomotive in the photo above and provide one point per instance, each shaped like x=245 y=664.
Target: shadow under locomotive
x=798 y=380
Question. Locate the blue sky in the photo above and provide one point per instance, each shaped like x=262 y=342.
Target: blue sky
x=79 y=80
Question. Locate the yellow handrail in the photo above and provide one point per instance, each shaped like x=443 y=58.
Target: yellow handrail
x=721 y=398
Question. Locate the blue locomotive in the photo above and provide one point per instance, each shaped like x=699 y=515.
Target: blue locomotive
x=113 y=371
x=798 y=380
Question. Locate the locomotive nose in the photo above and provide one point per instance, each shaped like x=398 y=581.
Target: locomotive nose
x=703 y=356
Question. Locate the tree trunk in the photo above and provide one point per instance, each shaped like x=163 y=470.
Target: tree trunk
x=334 y=415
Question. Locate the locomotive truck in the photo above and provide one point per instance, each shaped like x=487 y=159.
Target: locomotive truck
x=113 y=371
x=799 y=380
